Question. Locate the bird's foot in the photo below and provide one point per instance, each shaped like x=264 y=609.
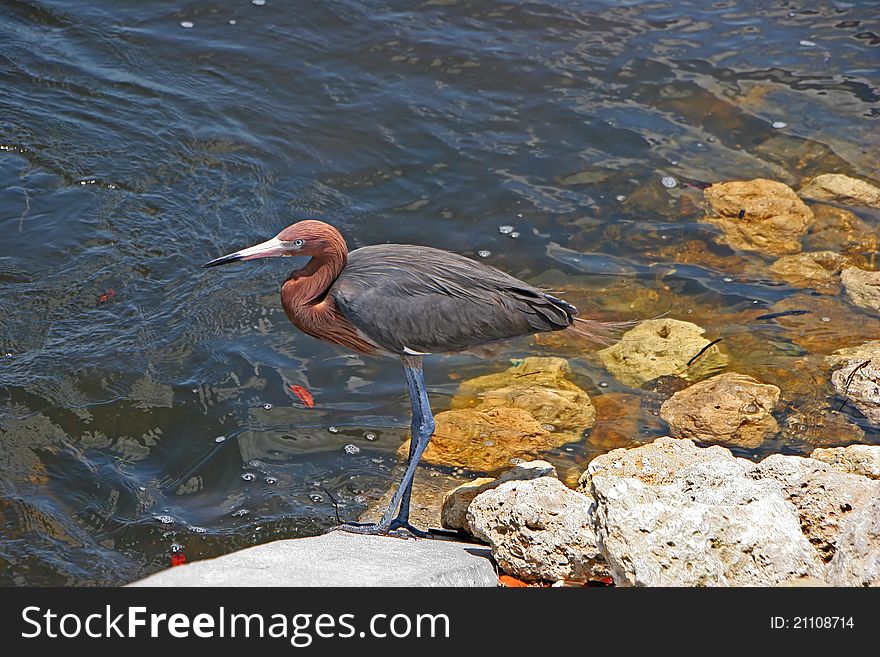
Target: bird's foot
x=398 y=528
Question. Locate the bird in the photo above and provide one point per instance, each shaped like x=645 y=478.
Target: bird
x=407 y=301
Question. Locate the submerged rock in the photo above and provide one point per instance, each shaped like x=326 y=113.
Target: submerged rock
x=856 y=459
x=539 y=530
x=856 y=376
x=537 y=385
x=518 y=413
x=816 y=423
x=617 y=420
x=659 y=347
x=837 y=229
x=816 y=269
x=456 y=502
x=759 y=215
x=702 y=522
x=823 y=323
x=843 y=189
x=862 y=287
x=729 y=408
x=485 y=440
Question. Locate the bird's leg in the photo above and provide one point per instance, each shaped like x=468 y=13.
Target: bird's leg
x=420 y=408
x=422 y=430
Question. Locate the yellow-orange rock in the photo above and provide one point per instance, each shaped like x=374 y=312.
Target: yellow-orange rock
x=759 y=215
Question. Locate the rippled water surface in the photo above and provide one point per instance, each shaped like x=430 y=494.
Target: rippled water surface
x=145 y=404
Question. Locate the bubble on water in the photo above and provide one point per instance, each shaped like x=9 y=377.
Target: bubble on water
x=751 y=407
x=219 y=439
x=485 y=253
x=240 y=513
x=352 y=449
x=187 y=25
x=255 y=463
x=727 y=279
x=271 y=481
x=514 y=235
x=620 y=198
x=370 y=436
x=315 y=497
x=778 y=125
x=198 y=530
x=259 y=3
x=232 y=21
x=489 y=443
x=710 y=139
x=378 y=460
x=360 y=499
x=332 y=429
x=825 y=319
x=505 y=230
x=176 y=547
x=247 y=476
x=165 y=520
x=548 y=427
x=669 y=182
x=807 y=44
x=267 y=407
x=519 y=215
x=603 y=384
x=569 y=449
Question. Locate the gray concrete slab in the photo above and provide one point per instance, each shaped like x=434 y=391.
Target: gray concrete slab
x=340 y=559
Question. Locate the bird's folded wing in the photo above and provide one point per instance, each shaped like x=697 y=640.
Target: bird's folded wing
x=409 y=298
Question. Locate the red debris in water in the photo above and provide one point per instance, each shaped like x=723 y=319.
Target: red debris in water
x=304 y=395
x=178 y=559
x=106 y=296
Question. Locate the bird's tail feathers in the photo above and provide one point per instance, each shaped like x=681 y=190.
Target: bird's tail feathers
x=599 y=333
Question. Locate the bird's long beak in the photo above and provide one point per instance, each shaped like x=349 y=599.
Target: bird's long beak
x=268 y=249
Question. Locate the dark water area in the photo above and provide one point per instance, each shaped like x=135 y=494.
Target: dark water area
x=145 y=403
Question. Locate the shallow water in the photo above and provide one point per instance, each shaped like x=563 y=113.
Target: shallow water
x=145 y=403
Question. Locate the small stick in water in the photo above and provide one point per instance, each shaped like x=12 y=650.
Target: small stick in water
x=784 y=313
x=849 y=380
x=335 y=505
x=703 y=350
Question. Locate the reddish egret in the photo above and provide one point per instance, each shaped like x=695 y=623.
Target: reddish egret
x=407 y=301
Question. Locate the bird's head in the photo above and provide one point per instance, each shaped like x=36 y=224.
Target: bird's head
x=304 y=238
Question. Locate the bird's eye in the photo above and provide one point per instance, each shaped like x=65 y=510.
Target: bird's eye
x=298 y=243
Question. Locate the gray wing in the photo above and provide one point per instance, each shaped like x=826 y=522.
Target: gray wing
x=427 y=300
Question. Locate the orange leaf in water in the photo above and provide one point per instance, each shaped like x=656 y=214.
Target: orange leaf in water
x=178 y=559
x=304 y=395
x=106 y=296
x=511 y=582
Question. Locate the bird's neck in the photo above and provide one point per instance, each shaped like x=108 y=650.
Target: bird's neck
x=309 y=285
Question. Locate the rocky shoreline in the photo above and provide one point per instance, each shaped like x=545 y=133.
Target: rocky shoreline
x=684 y=510
x=671 y=513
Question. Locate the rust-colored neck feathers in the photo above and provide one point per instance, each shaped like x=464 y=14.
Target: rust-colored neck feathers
x=329 y=253
x=304 y=293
